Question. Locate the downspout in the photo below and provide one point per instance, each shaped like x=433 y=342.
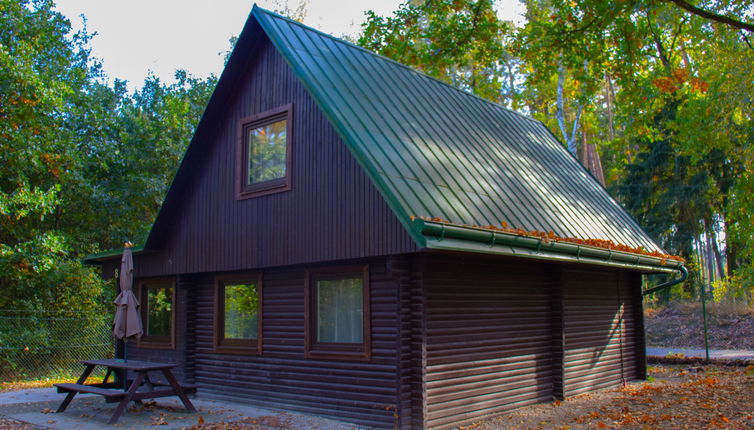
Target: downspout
x=670 y=283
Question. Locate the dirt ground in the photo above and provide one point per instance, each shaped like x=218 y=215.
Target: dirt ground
x=674 y=397
x=681 y=325
x=9 y=424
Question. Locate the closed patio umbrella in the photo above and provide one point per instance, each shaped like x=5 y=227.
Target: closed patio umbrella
x=127 y=322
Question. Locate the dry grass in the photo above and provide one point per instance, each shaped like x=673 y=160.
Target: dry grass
x=730 y=326
x=25 y=385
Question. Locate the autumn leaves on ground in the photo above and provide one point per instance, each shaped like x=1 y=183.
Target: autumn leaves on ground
x=675 y=397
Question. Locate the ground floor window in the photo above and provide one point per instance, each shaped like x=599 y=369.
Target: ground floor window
x=337 y=313
x=157 y=297
x=238 y=314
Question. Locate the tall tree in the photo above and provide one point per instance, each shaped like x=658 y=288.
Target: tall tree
x=85 y=164
x=660 y=90
x=42 y=69
x=459 y=42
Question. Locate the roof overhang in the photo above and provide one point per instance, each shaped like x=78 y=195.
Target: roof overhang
x=110 y=255
x=451 y=237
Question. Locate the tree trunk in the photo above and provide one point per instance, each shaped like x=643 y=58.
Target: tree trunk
x=659 y=46
x=570 y=139
x=716 y=250
x=609 y=97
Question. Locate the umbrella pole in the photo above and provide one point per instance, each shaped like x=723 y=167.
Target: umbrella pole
x=125 y=360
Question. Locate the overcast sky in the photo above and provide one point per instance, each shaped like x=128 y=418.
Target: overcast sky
x=135 y=37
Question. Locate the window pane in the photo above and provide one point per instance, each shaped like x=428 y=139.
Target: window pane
x=159 y=311
x=340 y=311
x=266 y=152
x=241 y=305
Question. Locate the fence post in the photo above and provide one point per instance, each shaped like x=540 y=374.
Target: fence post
x=704 y=318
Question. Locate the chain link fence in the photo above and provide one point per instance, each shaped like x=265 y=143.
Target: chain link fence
x=701 y=323
x=36 y=345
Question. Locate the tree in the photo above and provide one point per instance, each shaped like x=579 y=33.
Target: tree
x=42 y=68
x=85 y=164
x=459 y=42
x=662 y=96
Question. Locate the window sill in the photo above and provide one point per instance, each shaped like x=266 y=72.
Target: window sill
x=155 y=344
x=263 y=190
x=238 y=350
x=337 y=354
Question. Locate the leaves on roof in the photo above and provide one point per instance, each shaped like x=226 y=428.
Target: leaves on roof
x=550 y=236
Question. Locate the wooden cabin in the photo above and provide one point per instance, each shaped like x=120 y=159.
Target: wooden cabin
x=317 y=252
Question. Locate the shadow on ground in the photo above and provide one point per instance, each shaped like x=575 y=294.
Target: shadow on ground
x=87 y=412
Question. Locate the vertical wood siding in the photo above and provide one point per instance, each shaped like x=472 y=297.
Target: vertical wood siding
x=488 y=334
x=600 y=329
x=332 y=211
x=360 y=392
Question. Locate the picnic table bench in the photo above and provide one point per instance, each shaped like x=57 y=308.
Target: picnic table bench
x=124 y=390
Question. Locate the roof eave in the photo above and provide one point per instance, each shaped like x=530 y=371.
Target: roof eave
x=109 y=255
x=450 y=237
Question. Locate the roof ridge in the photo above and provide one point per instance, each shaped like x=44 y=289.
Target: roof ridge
x=390 y=60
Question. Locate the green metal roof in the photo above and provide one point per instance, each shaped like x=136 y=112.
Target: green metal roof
x=110 y=254
x=433 y=150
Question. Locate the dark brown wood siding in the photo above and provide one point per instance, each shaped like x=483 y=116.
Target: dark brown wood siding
x=488 y=337
x=401 y=269
x=182 y=353
x=332 y=211
x=281 y=377
x=601 y=327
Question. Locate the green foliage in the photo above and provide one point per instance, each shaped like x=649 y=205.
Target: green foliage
x=665 y=95
x=241 y=311
x=159 y=311
x=85 y=164
x=459 y=42
x=51 y=344
x=42 y=67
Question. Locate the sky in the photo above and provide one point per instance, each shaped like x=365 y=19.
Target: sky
x=137 y=37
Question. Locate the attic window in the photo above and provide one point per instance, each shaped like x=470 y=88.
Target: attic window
x=264 y=153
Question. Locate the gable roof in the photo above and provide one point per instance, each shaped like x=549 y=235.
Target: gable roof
x=430 y=149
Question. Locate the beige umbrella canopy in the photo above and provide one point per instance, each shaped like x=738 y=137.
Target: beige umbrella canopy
x=127 y=322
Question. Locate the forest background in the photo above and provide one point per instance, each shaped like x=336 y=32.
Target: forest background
x=654 y=97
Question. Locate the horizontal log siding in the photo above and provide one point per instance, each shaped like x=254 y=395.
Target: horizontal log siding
x=634 y=286
x=360 y=392
x=401 y=270
x=332 y=212
x=600 y=330
x=489 y=338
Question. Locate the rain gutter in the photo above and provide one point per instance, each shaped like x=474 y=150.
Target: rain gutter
x=668 y=284
x=463 y=238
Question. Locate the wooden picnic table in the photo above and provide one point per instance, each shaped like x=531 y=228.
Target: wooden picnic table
x=122 y=389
